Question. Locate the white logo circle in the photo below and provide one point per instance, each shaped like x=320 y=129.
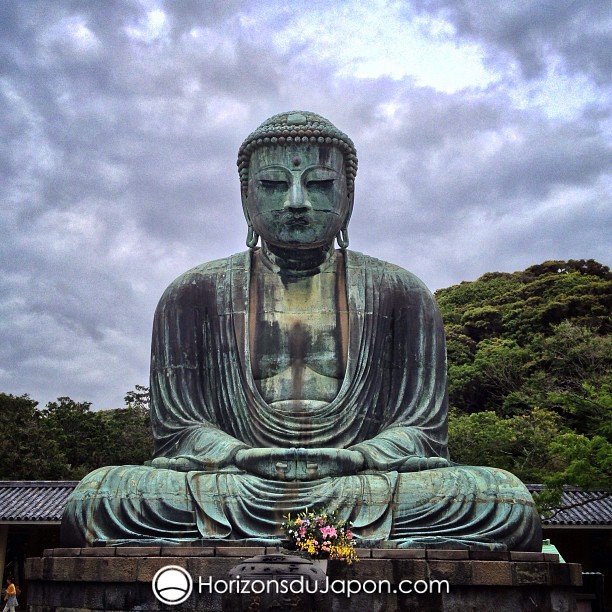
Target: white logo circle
x=172 y=585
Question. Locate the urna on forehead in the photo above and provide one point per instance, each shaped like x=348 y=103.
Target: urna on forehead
x=297 y=127
x=296 y=156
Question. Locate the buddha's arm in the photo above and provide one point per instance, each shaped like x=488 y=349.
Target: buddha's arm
x=413 y=433
x=184 y=408
x=202 y=447
x=399 y=449
x=180 y=434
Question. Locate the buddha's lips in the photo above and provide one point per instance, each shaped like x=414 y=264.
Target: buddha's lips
x=297 y=221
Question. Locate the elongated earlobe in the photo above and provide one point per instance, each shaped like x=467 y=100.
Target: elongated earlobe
x=342 y=238
x=252 y=238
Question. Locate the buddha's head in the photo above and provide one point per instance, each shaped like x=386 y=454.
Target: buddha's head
x=297 y=174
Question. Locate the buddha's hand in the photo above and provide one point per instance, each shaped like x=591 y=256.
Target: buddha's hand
x=315 y=463
x=290 y=464
x=420 y=464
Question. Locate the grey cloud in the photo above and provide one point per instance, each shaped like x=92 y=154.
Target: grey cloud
x=453 y=153
x=579 y=32
x=454 y=185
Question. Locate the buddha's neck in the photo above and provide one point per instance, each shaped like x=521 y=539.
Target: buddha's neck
x=297 y=262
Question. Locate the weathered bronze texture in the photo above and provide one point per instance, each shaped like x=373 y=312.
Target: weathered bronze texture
x=295 y=375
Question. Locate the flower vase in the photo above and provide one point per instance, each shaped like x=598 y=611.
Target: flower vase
x=321 y=564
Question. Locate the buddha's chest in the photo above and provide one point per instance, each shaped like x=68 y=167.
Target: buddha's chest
x=297 y=334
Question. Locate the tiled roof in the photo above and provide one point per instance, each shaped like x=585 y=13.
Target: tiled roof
x=579 y=507
x=44 y=500
x=34 y=500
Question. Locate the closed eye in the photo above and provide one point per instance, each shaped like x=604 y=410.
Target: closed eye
x=319 y=183
x=270 y=184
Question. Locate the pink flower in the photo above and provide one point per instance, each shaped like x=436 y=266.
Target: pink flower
x=328 y=532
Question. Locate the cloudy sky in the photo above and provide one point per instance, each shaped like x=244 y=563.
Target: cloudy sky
x=483 y=130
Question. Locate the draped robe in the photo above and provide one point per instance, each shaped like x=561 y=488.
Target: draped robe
x=392 y=405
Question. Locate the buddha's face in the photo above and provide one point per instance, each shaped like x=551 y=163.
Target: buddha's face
x=297 y=195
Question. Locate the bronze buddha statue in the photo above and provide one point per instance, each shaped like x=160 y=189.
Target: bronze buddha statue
x=296 y=375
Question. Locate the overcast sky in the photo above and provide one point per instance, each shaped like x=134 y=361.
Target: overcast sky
x=483 y=130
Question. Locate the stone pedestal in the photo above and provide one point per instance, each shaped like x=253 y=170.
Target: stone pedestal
x=68 y=580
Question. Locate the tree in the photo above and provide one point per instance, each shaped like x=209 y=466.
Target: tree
x=26 y=450
x=119 y=436
x=131 y=438
x=519 y=444
x=523 y=335
x=139 y=397
x=79 y=432
x=530 y=362
x=67 y=439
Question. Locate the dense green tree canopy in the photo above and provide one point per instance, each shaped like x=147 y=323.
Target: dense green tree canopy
x=67 y=440
x=26 y=449
x=530 y=362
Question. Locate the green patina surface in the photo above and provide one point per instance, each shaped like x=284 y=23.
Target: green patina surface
x=296 y=375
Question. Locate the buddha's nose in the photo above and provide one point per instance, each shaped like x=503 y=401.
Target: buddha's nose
x=297 y=198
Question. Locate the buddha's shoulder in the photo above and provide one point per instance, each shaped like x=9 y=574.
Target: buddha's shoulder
x=209 y=275
x=390 y=274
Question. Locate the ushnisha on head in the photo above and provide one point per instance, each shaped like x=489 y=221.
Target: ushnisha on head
x=295 y=127
x=293 y=130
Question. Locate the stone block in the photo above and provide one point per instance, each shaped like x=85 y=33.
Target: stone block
x=394 y=570
x=89 y=596
x=72 y=569
x=491 y=572
x=443 y=555
x=398 y=553
x=119 y=569
x=137 y=597
x=456 y=572
x=188 y=551
x=519 y=555
x=215 y=568
x=560 y=573
x=62 y=552
x=99 y=551
x=575 y=574
x=240 y=551
x=89 y=569
x=147 y=567
x=564 y=600
x=409 y=569
x=530 y=573
x=62 y=568
x=138 y=551
x=368 y=569
x=33 y=568
x=490 y=555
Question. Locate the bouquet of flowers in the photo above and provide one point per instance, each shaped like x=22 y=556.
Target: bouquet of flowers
x=320 y=535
